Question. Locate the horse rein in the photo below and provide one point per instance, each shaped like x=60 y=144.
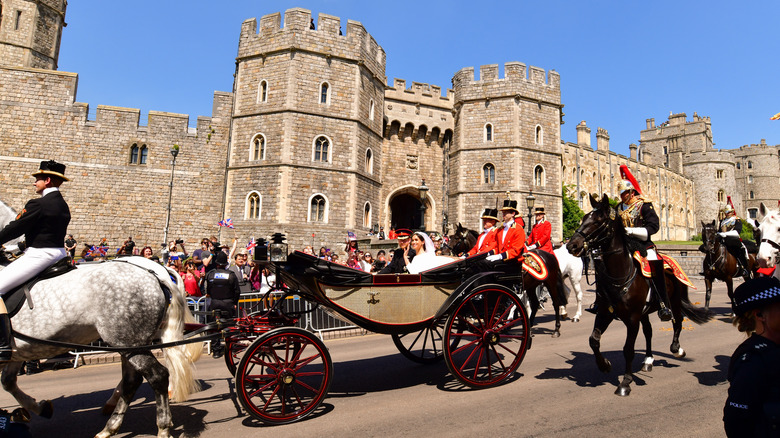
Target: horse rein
x=774 y=245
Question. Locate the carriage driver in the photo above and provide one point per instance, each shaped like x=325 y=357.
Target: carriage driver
x=486 y=241
x=641 y=222
x=510 y=237
x=730 y=227
x=44 y=222
x=540 y=233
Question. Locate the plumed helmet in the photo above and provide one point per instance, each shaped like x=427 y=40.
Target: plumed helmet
x=624 y=185
x=728 y=209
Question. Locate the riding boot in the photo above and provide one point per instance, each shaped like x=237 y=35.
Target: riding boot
x=743 y=261
x=5 y=338
x=658 y=284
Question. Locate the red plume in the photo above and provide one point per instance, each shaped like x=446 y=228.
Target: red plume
x=626 y=174
x=728 y=201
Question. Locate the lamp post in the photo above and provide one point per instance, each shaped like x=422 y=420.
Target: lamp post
x=529 y=201
x=423 y=194
x=174 y=153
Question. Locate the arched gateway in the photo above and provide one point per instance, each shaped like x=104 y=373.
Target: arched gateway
x=403 y=209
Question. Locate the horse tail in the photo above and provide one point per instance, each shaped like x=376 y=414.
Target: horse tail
x=179 y=359
x=699 y=315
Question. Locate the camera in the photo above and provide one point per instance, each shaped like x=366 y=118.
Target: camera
x=179 y=241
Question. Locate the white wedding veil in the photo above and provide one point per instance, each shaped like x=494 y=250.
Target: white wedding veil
x=429 y=248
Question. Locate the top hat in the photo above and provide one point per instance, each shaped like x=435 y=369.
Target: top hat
x=539 y=210
x=756 y=293
x=52 y=168
x=403 y=233
x=490 y=213
x=511 y=205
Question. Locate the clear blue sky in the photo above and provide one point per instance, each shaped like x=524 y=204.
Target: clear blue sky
x=620 y=62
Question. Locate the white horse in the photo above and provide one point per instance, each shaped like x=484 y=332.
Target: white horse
x=571 y=268
x=769 y=247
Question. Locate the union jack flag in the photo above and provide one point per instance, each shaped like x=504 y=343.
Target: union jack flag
x=98 y=250
x=351 y=235
x=226 y=223
x=251 y=245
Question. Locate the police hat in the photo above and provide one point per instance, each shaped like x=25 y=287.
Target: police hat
x=222 y=258
x=756 y=294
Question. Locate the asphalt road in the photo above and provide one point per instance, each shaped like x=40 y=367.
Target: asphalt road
x=558 y=391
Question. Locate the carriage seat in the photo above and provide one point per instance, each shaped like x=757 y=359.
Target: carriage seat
x=16 y=298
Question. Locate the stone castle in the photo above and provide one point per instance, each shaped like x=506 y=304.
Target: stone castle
x=313 y=142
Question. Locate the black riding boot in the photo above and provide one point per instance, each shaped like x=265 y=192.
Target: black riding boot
x=743 y=261
x=658 y=284
x=5 y=338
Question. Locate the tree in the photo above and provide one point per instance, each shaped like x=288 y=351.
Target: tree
x=572 y=213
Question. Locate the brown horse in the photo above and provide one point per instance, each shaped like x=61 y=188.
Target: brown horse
x=462 y=241
x=718 y=263
x=624 y=289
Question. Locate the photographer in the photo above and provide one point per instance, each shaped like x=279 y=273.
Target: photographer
x=172 y=251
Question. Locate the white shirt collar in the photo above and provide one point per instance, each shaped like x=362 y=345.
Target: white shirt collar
x=48 y=190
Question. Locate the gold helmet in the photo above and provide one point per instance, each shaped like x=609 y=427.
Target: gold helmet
x=728 y=209
x=624 y=185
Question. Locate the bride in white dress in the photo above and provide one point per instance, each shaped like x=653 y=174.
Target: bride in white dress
x=425 y=257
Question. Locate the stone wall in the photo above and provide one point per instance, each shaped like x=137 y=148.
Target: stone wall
x=30 y=32
x=759 y=173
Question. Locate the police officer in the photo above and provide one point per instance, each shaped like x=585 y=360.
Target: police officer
x=730 y=227
x=44 y=222
x=221 y=285
x=753 y=404
x=641 y=223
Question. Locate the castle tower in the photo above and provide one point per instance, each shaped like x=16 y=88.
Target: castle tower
x=30 y=32
x=669 y=142
x=507 y=138
x=306 y=140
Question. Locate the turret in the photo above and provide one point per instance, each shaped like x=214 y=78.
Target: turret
x=30 y=32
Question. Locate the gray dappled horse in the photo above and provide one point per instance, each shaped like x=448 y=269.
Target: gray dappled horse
x=122 y=303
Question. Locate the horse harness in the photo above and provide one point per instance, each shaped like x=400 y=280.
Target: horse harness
x=15 y=298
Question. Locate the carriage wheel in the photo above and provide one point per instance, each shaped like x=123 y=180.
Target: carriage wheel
x=486 y=337
x=284 y=375
x=424 y=346
x=234 y=348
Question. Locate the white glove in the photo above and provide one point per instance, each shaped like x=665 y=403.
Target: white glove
x=639 y=232
x=462 y=257
x=494 y=258
x=728 y=233
x=531 y=247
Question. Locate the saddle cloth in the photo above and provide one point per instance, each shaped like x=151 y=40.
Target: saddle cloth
x=17 y=297
x=535 y=266
x=670 y=264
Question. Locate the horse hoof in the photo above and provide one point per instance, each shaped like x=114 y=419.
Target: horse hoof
x=679 y=354
x=647 y=367
x=47 y=409
x=576 y=319
x=606 y=367
x=556 y=334
x=623 y=391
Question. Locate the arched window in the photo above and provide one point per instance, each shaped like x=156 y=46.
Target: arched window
x=367 y=215
x=324 y=93
x=752 y=195
x=144 y=155
x=538 y=137
x=489 y=174
x=369 y=161
x=134 y=154
x=488 y=132
x=262 y=92
x=322 y=149
x=252 y=206
x=750 y=164
x=750 y=179
x=257 y=148
x=739 y=166
x=371 y=110
x=318 y=209
x=538 y=176
x=138 y=155
x=721 y=196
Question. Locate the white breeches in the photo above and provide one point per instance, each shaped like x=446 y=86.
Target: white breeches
x=651 y=254
x=30 y=264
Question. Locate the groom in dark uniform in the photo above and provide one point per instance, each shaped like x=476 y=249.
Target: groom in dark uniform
x=44 y=222
x=398 y=265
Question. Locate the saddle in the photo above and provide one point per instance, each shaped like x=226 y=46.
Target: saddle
x=17 y=297
x=670 y=265
x=534 y=265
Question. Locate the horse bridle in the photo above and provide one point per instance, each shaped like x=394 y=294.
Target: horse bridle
x=774 y=245
x=601 y=234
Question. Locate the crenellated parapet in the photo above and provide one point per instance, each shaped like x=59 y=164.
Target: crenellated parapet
x=422 y=93
x=328 y=39
x=531 y=83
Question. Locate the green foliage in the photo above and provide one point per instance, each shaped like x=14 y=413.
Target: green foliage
x=613 y=202
x=572 y=214
x=696 y=237
x=747 y=231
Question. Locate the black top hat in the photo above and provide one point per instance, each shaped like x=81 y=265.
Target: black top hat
x=539 y=210
x=403 y=233
x=52 y=168
x=490 y=213
x=510 y=204
x=756 y=293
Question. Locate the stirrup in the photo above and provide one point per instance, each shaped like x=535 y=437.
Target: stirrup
x=664 y=314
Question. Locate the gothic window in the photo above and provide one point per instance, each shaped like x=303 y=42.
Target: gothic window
x=721 y=196
x=144 y=155
x=538 y=135
x=134 y=154
x=719 y=173
x=367 y=215
x=753 y=213
x=138 y=154
x=750 y=165
x=324 y=93
x=488 y=132
x=739 y=166
x=750 y=179
x=318 y=209
x=369 y=161
x=538 y=176
x=257 y=148
x=322 y=149
x=489 y=174
x=752 y=195
x=253 y=205
x=262 y=92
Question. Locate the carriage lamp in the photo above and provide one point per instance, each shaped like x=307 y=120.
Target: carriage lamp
x=423 y=189
x=277 y=248
x=530 y=200
x=261 y=250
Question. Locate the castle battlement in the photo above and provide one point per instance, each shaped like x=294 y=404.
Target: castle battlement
x=710 y=156
x=419 y=92
x=531 y=83
x=760 y=148
x=327 y=39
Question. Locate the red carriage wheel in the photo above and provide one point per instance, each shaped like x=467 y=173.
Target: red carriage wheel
x=284 y=375
x=486 y=337
x=235 y=345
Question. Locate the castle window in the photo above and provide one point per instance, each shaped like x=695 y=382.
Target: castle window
x=367 y=215
x=144 y=155
x=750 y=179
x=719 y=174
x=750 y=165
x=324 y=93
x=252 y=206
x=739 y=166
x=538 y=135
x=18 y=19
x=369 y=161
x=257 y=148
x=666 y=150
x=489 y=174
x=318 y=209
x=538 y=176
x=322 y=149
x=753 y=213
x=752 y=195
x=262 y=92
x=371 y=110
x=138 y=154
x=721 y=196
x=488 y=132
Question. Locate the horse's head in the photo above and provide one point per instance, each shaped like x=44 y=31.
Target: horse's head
x=461 y=241
x=597 y=227
x=708 y=233
x=769 y=249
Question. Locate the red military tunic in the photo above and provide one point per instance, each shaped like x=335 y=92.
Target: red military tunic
x=540 y=236
x=486 y=242
x=512 y=243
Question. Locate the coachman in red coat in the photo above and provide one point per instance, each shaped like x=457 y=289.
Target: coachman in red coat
x=510 y=238
x=486 y=241
x=540 y=233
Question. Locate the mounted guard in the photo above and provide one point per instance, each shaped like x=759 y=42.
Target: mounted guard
x=641 y=222
x=730 y=228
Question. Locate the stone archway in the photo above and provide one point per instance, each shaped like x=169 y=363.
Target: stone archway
x=405 y=211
